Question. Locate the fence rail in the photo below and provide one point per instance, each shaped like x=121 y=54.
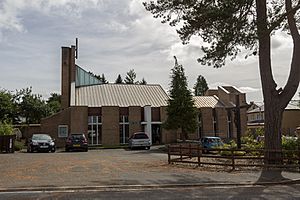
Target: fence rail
x=194 y=154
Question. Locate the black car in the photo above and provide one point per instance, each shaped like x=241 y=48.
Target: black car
x=76 y=141
x=40 y=143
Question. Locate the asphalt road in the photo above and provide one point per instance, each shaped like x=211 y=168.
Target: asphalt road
x=219 y=192
x=47 y=175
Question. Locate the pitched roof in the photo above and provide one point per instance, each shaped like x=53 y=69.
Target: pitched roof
x=207 y=102
x=291 y=106
x=122 y=95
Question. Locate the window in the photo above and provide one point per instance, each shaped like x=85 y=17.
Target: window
x=63 y=131
x=94 y=130
x=124 y=129
x=215 y=123
x=229 y=124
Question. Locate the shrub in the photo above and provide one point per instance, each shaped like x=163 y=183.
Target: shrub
x=6 y=128
x=18 y=146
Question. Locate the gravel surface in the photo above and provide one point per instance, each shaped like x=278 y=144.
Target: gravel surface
x=109 y=167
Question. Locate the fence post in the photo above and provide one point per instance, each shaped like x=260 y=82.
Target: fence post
x=232 y=159
x=180 y=149
x=169 y=154
x=198 y=154
x=298 y=158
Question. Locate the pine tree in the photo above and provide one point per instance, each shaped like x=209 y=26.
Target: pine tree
x=181 y=111
x=200 y=86
x=130 y=77
x=119 y=80
x=103 y=79
x=143 y=82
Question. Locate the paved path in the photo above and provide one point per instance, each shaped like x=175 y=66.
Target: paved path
x=110 y=167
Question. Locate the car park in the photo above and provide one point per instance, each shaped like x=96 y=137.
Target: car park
x=139 y=139
x=41 y=143
x=76 y=141
x=211 y=142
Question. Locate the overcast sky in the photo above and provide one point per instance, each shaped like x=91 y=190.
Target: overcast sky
x=114 y=37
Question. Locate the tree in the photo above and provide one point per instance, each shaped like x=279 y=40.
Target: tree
x=130 y=77
x=228 y=27
x=119 y=80
x=181 y=111
x=54 y=103
x=103 y=79
x=100 y=78
x=31 y=106
x=201 y=86
x=7 y=106
x=143 y=82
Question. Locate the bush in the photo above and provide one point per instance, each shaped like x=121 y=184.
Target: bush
x=18 y=146
x=6 y=128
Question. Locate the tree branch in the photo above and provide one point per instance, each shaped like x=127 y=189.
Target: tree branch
x=283 y=16
x=291 y=19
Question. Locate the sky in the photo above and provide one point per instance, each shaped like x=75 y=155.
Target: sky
x=114 y=37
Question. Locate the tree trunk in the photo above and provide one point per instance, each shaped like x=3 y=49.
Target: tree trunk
x=275 y=100
x=273 y=116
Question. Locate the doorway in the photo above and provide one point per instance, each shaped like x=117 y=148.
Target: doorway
x=156 y=133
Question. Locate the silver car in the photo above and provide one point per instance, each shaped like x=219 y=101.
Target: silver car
x=139 y=139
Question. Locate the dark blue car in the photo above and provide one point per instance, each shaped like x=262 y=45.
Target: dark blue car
x=211 y=142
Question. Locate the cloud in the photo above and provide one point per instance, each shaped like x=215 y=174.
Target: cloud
x=249 y=89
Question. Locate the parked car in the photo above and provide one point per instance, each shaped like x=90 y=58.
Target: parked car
x=41 y=142
x=139 y=139
x=211 y=142
x=76 y=141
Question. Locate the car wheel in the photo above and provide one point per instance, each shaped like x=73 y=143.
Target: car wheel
x=29 y=150
x=86 y=150
x=67 y=149
x=53 y=150
x=147 y=148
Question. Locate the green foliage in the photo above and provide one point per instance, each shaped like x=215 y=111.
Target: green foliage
x=181 y=112
x=6 y=128
x=200 y=86
x=103 y=79
x=18 y=145
x=130 y=77
x=31 y=106
x=119 y=80
x=143 y=82
x=54 y=103
x=7 y=106
x=225 y=25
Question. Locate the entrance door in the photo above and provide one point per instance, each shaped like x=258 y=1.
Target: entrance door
x=94 y=130
x=156 y=133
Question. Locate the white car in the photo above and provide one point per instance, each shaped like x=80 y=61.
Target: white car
x=139 y=139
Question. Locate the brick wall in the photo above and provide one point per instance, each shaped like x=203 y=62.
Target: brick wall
x=74 y=117
x=110 y=125
x=207 y=122
x=134 y=119
x=79 y=120
x=222 y=122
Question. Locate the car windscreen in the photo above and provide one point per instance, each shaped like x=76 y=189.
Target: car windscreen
x=140 y=136
x=79 y=136
x=41 y=137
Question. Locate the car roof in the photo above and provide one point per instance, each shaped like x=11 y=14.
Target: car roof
x=212 y=137
x=40 y=134
x=140 y=133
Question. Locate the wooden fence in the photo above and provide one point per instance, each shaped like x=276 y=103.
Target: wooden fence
x=194 y=154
